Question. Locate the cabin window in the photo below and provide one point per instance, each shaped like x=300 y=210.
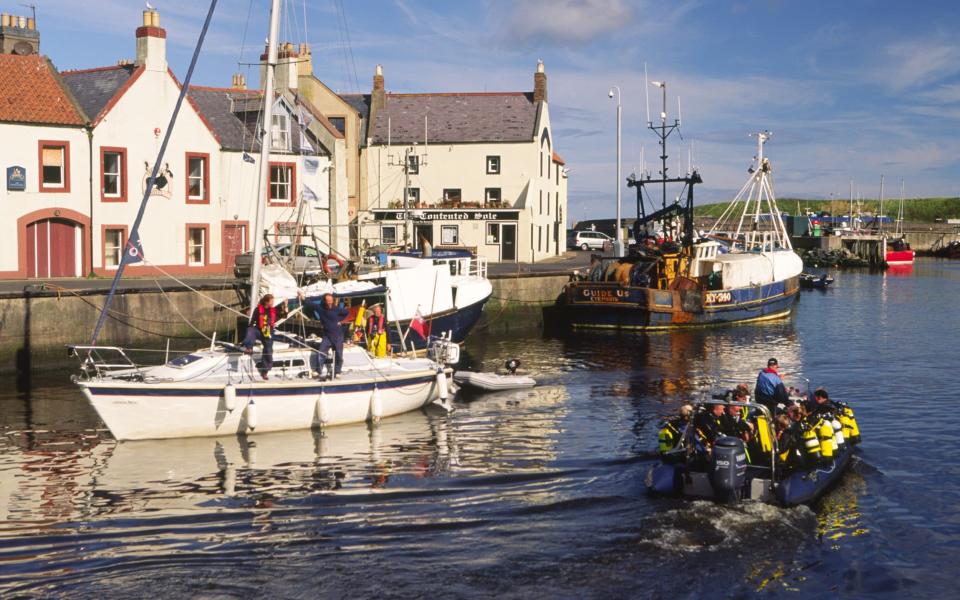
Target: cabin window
x=388 y=235
x=449 y=235
x=196 y=246
x=198 y=177
x=54 y=167
x=112 y=166
x=493 y=165
x=113 y=240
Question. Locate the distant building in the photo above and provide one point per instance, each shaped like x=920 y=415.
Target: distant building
x=464 y=169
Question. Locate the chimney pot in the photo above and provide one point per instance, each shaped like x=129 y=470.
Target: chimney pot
x=31 y=24
x=147 y=18
x=540 y=83
x=22 y=22
x=4 y=20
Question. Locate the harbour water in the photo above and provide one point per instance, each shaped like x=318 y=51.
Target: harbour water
x=537 y=493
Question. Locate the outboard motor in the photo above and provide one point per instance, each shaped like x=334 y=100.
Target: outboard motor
x=728 y=469
x=512 y=365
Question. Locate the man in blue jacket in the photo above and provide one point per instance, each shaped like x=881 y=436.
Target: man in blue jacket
x=770 y=390
x=331 y=315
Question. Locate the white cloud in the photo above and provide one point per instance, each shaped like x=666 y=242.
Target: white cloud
x=920 y=62
x=565 y=20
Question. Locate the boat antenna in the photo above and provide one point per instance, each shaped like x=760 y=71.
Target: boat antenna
x=266 y=141
x=133 y=252
x=646 y=89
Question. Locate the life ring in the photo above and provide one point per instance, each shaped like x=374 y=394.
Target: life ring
x=326 y=266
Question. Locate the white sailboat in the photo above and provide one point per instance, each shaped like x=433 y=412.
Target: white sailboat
x=220 y=390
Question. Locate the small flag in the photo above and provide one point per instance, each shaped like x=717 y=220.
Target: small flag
x=308 y=194
x=133 y=251
x=248 y=158
x=419 y=324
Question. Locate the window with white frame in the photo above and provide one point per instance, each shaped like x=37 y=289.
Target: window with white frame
x=112 y=247
x=493 y=233
x=493 y=165
x=449 y=235
x=196 y=246
x=492 y=197
x=281 y=179
x=53 y=171
x=388 y=235
x=112 y=174
x=280 y=132
x=197 y=178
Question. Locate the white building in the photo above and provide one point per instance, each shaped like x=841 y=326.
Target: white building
x=86 y=143
x=477 y=169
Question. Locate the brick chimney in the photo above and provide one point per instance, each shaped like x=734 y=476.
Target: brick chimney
x=18 y=35
x=539 y=84
x=152 y=42
x=378 y=98
x=305 y=63
x=238 y=81
x=285 y=74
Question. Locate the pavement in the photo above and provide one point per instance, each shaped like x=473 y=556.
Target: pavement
x=559 y=265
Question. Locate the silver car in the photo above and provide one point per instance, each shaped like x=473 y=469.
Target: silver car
x=306 y=260
x=591 y=240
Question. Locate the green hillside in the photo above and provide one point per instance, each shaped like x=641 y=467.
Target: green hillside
x=914 y=209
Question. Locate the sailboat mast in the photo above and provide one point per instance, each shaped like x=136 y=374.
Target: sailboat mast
x=266 y=140
x=881 y=202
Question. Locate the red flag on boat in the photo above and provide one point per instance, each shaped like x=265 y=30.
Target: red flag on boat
x=419 y=324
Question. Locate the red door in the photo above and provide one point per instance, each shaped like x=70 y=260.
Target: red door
x=52 y=248
x=234 y=243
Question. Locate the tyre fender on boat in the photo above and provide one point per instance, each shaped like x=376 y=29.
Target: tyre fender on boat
x=229 y=397
x=251 y=415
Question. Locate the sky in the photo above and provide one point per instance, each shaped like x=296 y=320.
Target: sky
x=851 y=90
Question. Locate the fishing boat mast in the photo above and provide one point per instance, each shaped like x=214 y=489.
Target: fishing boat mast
x=266 y=141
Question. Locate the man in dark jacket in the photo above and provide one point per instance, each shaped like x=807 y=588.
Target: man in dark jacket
x=770 y=390
x=331 y=315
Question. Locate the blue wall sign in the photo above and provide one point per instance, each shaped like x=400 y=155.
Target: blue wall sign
x=16 y=179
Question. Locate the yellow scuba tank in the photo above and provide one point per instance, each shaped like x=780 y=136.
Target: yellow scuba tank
x=811 y=445
x=854 y=436
x=763 y=433
x=825 y=435
x=668 y=437
x=846 y=428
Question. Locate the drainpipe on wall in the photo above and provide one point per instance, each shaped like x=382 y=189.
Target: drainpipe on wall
x=90 y=172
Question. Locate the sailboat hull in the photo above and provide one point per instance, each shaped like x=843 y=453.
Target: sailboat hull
x=138 y=411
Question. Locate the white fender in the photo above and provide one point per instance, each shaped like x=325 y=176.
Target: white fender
x=376 y=407
x=230 y=480
x=323 y=411
x=229 y=397
x=443 y=391
x=251 y=415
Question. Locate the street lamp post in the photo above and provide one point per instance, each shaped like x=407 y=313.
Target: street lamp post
x=618 y=243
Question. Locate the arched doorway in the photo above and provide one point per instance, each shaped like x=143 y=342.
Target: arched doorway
x=54 y=248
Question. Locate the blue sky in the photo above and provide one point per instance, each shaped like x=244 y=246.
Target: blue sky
x=851 y=89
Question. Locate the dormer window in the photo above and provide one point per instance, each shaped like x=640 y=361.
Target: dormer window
x=280 y=133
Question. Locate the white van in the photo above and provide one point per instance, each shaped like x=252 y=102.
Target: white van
x=590 y=240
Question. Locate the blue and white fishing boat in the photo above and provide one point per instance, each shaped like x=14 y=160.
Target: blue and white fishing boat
x=743 y=270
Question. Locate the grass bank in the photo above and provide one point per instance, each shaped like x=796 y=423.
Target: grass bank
x=923 y=210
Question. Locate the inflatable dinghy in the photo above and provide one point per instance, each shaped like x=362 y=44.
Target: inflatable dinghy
x=492 y=382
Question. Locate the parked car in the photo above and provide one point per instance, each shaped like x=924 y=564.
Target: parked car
x=306 y=260
x=591 y=240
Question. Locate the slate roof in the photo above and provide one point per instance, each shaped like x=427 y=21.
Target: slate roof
x=94 y=89
x=31 y=92
x=457 y=117
x=217 y=106
x=360 y=103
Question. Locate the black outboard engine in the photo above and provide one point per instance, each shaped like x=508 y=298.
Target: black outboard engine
x=512 y=365
x=728 y=469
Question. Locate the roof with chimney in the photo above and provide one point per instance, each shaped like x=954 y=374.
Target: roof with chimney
x=360 y=103
x=456 y=117
x=32 y=92
x=233 y=115
x=97 y=90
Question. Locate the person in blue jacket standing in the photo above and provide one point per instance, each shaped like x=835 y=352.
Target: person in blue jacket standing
x=331 y=315
x=770 y=390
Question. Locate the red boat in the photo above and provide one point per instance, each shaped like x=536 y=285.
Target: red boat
x=898 y=252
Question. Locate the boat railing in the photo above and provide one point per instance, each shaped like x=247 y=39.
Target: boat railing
x=97 y=361
x=478 y=267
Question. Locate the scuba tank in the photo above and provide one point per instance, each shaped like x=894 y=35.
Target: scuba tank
x=811 y=445
x=827 y=443
x=838 y=433
x=668 y=437
x=728 y=468
x=763 y=433
x=846 y=414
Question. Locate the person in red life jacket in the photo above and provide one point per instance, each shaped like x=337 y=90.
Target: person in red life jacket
x=331 y=315
x=377 y=332
x=770 y=390
x=260 y=327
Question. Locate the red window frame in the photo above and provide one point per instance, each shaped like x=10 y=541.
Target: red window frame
x=123 y=174
x=65 y=189
x=206 y=243
x=293 y=184
x=206 y=178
